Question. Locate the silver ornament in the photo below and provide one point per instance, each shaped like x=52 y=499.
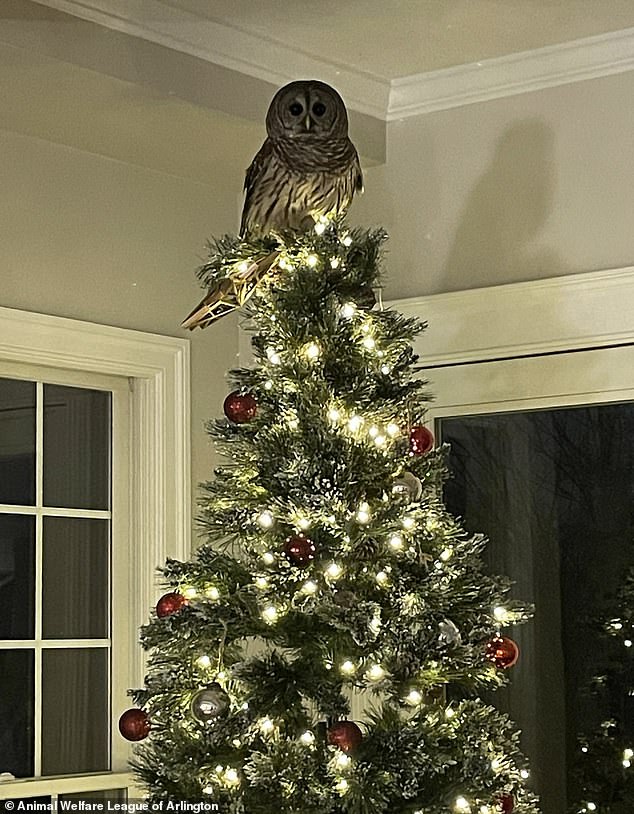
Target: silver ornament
x=408 y=486
x=449 y=633
x=209 y=704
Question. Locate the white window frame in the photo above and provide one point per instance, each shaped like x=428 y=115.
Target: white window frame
x=159 y=525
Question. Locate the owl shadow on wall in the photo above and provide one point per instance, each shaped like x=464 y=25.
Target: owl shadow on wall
x=497 y=238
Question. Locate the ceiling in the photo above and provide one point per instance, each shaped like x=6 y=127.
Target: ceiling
x=391 y=39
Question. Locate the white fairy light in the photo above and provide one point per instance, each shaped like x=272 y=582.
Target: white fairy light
x=231 y=777
x=265 y=519
x=312 y=351
x=628 y=754
x=334 y=415
x=203 y=662
x=584 y=749
x=380 y=440
x=309 y=587
x=293 y=423
x=369 y=343
x=446 y=554
x=386 y=370
x=347 y=668
x=261 y=583
x=628 y=642
x=189 y=592
x=348 y=310
x=591 y=806
x=212 y=592
x=266 y=725
x=525 y=774
x=270 y=614
x=373 y=431
x=273 y=356
x=376 y=673
x=334 y=570
x=414 y=698
x=347 y=241
x=396 y=542
x=354 y=423
x=320 y=227
x=485 y=810
x=342 y=786
x=268 y=384
x=307 y=738
x=312 y=260
x=501 y=614
x=243 y=267
x=268 y=557
x=334 y=262
x=496 y=764
x=382 y=577
x=408 y=523
x=343 y=761
x=462 y=805
x=450 y=712
x=393 y=429
x=363 y=513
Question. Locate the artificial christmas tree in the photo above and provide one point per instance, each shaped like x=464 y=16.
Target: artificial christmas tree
x=331 y=569
x=604 y=774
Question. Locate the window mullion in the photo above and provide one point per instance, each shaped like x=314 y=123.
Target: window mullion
x=39 y=497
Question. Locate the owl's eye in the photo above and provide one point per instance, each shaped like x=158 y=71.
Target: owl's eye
x=296 y=109
x=319 y=108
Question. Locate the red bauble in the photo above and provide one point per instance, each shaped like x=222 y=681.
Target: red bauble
x=299 y=550
x=134 y=725
x=169 y=603
x=502 y=651
x=346 y=735
x=421 y=440
x=240 y=407
x=506 y=803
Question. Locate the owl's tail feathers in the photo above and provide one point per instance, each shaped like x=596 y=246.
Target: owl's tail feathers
x=231 y=292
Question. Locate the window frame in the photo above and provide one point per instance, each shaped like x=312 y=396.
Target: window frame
x=158 y=456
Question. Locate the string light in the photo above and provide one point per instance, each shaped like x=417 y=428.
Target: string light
x=334 y=415
x=334 y=262
x=268 y=384
x=334 y=570
x=446 y=554
x=231 y=777
x=268 y=557
x=266 y=519
x=309 y=587
x=382 y=578
x=349 y=309
x=373 y=431
x=270 y=614
x=312 y=260
x=501 y=614
x=393 y=429
x=347 y=241
x=342 y=786
x=376 y=673
x=312 y=351
x=525 y=774
x=243 y=267
x=343 y=761
x=369 y=343
x=212 y=592
x=273 y=356
x=408 y=523
x=380 y=440
x=347 y=668
x=462 y=805
x=354 y=423
x=266 y=725
x=307 y=738
x=386 y=370
x=363 y=513
x=203 y=662
x=414 y=698
x=320 y=227
x=261 y=583
x=396 y=542
x=189 y=592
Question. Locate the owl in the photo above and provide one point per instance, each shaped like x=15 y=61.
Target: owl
x=307 y=166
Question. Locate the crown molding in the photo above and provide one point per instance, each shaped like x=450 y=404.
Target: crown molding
x=575 y=61
x=401 y=98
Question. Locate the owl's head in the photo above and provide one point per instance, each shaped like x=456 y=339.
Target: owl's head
x=307 y=107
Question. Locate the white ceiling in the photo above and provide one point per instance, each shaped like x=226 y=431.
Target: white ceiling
x=390 y=39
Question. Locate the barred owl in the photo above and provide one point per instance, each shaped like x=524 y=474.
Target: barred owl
x=307 y=166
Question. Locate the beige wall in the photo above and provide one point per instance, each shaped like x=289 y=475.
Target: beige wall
x=95 y=239
x=532 y=186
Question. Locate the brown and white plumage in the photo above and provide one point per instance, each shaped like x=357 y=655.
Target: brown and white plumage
x=307 y=167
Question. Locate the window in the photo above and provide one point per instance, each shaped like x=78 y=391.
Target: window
x=93 y=496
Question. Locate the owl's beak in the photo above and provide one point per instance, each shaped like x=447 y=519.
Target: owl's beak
x=308 y=122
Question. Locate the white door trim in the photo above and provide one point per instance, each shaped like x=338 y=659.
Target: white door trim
x=590 y=310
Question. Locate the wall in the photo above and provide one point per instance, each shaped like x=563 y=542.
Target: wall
x=92 y=238
x=531 y=186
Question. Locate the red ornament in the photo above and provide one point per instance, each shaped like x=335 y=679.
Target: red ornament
x=134 y=725
x=169 y=603
x=346 y=735
x=506 y=803
x=421 y=440
x=502 y=651
x=299 y=550
x=240 y=407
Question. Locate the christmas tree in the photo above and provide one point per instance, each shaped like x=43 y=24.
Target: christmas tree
x=604 y=774
x=332 y=578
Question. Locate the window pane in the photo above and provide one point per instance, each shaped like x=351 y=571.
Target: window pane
x=16 y=712
x=17 y=442
x=17 y=555
x=554 y=491
x=76 y=447
x=75 y=711
x=75 y=578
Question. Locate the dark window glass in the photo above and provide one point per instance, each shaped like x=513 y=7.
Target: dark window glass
x=16 y=712
x=75 y=711
x=76 y=448
x=17 y=442
x=17 y=576
x=109 y=795
x=75 y=578
x=554 y=491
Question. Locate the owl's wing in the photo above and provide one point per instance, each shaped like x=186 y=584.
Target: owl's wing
x=251 y=178
x=358 y=181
